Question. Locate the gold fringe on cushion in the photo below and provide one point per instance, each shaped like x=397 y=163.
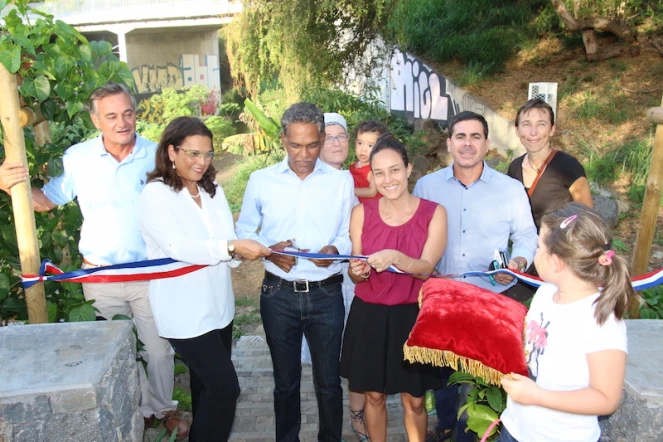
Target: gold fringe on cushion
x=445 y=358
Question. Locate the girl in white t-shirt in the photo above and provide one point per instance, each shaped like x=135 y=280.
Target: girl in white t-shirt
x=575 y=336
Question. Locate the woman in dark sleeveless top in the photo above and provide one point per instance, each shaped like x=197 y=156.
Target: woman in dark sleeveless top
x=409 y=233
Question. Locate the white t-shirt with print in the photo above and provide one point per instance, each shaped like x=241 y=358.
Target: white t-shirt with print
x=558 y=338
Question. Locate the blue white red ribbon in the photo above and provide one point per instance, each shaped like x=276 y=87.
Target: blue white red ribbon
x=169 y=268
x=131 y=272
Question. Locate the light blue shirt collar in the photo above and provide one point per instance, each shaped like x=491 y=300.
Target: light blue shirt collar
x=284 y=166
x=486 y=174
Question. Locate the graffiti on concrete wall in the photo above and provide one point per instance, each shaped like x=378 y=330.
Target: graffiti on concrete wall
x=419 y=92
x=192 y=69
x=151 y=79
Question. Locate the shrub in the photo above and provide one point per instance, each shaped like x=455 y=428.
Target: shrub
x=234 y=188
x=221 y=128
x=170 y=104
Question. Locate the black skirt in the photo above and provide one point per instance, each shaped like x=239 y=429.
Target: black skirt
x=372 y=357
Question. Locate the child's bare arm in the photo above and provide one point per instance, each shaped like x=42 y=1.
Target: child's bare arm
x=367 y=192
x=606 y=380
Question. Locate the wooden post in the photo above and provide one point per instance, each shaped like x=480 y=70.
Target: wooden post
x=24 y=218
x=651 y=203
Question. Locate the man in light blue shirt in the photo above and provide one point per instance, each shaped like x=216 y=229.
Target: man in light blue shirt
x=303 y=203
x=106 y=175
x=485 y=210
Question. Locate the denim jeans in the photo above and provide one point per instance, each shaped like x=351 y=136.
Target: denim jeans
x=505 y=436
x=317 y=314
x=448 y=400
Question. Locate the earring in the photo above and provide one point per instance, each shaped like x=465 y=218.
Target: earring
x=173 y=165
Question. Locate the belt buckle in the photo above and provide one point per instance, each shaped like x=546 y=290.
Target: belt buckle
x=296 y=285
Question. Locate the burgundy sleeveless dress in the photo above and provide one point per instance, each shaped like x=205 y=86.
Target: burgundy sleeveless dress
x=384 y=311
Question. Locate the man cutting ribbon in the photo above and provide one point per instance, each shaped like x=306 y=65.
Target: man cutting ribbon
x=306 y=199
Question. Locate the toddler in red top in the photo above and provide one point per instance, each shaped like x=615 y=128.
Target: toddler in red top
x=367 y=135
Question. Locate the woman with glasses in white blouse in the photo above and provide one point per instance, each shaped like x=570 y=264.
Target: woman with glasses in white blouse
x=184 y=215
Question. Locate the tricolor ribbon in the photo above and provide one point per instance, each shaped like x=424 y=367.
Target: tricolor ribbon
x=130 y=272
x=169 y=268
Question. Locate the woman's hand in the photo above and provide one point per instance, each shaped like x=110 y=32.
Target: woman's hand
x=250 y=249
x=522 y=389
x=359 y=267
x=383 y=259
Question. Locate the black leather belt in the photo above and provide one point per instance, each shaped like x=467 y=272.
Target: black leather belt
x=303 y=285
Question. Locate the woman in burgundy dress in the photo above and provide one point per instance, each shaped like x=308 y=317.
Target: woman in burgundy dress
x=409 y=233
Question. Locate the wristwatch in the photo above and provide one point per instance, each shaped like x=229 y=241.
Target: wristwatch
x=522 y=264
x=231 y=248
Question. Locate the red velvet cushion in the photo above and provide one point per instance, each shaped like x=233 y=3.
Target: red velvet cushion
x=461 y=325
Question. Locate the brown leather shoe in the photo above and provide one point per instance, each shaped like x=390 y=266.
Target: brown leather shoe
x=173 y=419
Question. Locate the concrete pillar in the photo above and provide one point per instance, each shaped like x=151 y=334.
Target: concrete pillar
x=122 y=46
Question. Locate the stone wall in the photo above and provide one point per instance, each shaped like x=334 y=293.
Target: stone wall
x=69 y=382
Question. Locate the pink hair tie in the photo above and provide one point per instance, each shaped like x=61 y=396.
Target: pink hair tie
x=606 y=258
x=567 y=221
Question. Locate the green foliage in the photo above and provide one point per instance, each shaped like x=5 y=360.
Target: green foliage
x=473 y=73
x=609 y=106
x=482 y=32
x=183 y=399
x=57 y=69
x=151 y=131
x=221 y=128
x=162 y=108
x=234 y=188
x=630 y=159
x=653 y=303
x=263 y=138
x=301 y=42
x=170 y=103
x=484 y=403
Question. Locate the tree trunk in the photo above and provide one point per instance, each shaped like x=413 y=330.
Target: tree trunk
x=591 y=45
x=590 y=24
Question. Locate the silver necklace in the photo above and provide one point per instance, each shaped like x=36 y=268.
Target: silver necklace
x=535 y=169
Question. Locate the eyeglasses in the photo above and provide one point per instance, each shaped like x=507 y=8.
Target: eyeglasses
x=339 y=138
x=195 y=154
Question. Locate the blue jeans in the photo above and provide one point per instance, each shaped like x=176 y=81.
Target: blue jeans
x=317 y=314
x=448 y=400
x=505 y=436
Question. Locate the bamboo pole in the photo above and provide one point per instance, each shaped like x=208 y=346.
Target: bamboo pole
x=651 y=203
x=24 y=218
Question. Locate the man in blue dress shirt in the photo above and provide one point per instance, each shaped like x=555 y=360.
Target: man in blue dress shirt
x=485 y=210
x=304 y=203
x=106 y=175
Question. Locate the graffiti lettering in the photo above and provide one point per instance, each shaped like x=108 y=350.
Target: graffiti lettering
x=150 y=79
x=150 y=111
x=418 y=91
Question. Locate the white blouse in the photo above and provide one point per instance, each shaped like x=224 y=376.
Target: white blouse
x=174 y=226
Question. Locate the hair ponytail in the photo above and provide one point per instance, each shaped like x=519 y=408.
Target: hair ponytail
x=617 y=290
x=581 y=238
